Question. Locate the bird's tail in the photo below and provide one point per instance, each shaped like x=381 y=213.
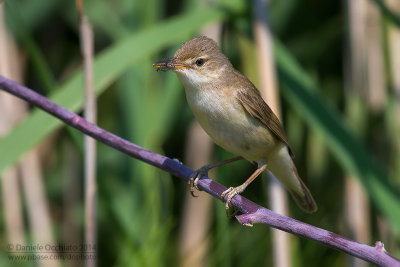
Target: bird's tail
x=285 y=170
x=303 y=197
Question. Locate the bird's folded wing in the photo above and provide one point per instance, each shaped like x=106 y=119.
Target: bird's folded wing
x=255 y=105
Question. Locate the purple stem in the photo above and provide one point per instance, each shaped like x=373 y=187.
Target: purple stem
x=253 y=213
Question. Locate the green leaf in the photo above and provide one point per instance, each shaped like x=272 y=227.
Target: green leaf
x=299 y=90
x=36 y=56
x=389 y=14
x=108 y=67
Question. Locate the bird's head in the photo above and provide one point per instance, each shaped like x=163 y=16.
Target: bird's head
x=198 y=60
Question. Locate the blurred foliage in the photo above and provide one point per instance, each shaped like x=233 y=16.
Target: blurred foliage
x=139 y=206
x=389 y=14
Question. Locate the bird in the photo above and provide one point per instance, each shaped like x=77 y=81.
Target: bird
x=232 y=112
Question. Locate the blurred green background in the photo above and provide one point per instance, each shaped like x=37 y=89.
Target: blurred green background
x=335 y=132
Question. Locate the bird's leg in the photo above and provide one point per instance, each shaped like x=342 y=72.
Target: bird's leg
x=203 y=171
x=232 y=191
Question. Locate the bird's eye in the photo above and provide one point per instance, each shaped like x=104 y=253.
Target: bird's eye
x=199 y=62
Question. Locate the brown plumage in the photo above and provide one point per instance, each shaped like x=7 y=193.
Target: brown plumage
x=232 y=112
x=255 y=106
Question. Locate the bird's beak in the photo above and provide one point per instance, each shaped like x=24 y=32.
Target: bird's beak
x=170 y=64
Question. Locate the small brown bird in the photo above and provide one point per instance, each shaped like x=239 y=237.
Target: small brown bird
x=232 y=112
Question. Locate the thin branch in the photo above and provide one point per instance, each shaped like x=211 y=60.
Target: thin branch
x=22 y=184
x=253 y=213
x=86 y=42
x=193 y=237
x=277 y=195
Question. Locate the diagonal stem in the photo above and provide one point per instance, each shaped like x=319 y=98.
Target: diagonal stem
x=252 y=212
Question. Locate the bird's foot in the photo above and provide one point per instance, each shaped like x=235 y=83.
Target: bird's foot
x=195 y=177
x=230 y=193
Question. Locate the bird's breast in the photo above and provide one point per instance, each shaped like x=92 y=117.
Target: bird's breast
x=227 y=123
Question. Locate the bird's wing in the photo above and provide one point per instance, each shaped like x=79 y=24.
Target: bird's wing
x=255 y=105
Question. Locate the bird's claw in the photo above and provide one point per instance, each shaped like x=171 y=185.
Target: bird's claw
x=194 y=179
x=230 y=193
x=192 y=185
